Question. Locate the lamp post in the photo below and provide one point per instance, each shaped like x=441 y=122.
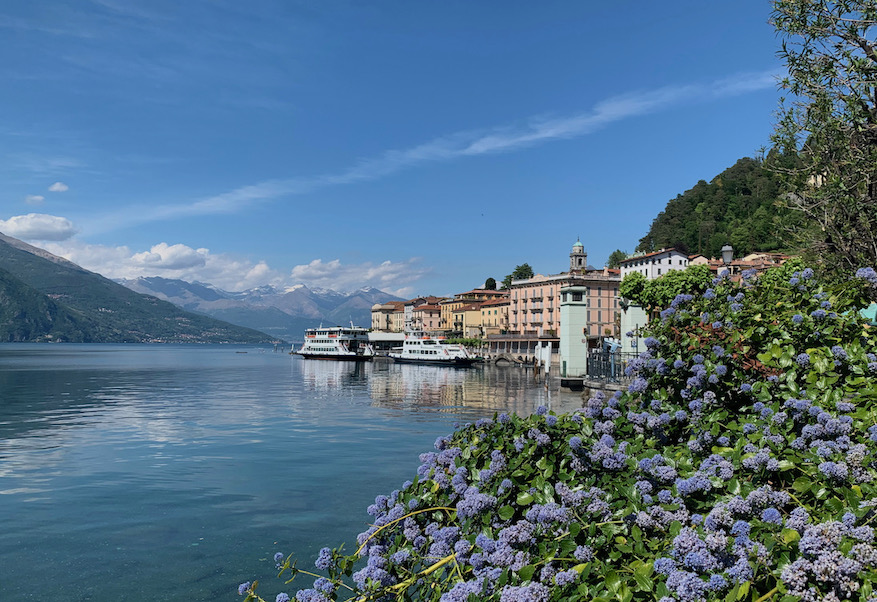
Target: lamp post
x=727 y=256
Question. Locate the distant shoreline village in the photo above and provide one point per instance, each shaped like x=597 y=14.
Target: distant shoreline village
x=574 y=314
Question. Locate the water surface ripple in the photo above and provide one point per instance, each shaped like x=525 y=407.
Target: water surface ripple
x=153 y=472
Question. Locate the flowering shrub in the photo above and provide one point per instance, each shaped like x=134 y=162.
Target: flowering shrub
x=739 y=465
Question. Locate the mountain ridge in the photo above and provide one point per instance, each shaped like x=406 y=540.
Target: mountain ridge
x=44 y=297
x=285 y=312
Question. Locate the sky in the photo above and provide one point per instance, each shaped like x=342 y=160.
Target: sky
x=416 y=147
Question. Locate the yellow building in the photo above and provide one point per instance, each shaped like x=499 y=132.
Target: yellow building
x=388 y=317
x=495 y=316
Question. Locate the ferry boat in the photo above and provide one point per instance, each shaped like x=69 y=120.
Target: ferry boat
x=337 y=343
x=420 y=347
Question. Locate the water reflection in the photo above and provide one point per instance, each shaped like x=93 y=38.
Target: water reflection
x=188 y=463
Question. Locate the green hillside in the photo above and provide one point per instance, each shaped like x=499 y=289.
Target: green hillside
x=738 y=207
x=43 y=297
x=28 y=315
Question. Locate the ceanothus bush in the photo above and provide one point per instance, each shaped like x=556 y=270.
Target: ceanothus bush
x=740 y=464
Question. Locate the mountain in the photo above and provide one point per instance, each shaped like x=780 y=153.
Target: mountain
x=738 y=207
x=47 y=298
x=283 y=313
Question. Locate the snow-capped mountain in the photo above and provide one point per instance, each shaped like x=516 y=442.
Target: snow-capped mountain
x=281 y=312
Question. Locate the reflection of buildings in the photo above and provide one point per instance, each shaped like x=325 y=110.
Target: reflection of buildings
x=322 y=375
x=489 y=388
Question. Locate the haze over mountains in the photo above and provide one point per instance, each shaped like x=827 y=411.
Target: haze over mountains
x=282 y=313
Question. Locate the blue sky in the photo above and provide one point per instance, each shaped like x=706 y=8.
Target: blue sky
x=419 y=147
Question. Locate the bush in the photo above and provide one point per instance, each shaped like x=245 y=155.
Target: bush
x=739 y=465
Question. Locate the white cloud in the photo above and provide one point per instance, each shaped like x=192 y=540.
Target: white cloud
x=34 y=199
x=38 y=226
x=171 y=257
x=59 y=187
x=233 y=273
x=169 y=261
x=333 y=274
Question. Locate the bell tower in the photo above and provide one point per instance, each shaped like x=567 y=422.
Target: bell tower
x=578 y=259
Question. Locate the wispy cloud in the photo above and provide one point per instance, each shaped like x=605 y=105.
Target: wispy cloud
x=532 y=132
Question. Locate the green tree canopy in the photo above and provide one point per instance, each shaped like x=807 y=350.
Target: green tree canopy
x=740 y=206
x=490 y=284
x=521 y=272
x=831 y=123
x=615 y=258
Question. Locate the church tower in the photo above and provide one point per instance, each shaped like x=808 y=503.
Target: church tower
x=578 y=259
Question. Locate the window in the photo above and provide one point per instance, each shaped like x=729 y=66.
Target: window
x=576 y=296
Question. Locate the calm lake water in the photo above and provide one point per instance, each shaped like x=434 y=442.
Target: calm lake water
x=152 y=472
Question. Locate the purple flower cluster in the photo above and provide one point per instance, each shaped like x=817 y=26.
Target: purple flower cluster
x=702 y=440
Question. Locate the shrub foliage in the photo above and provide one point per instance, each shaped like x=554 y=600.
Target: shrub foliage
x=739 y=465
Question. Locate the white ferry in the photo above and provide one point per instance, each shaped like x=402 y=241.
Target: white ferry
x=420 y=347
x=337 y=343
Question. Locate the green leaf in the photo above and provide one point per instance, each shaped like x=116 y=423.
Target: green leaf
x=525 y=498
x=526 y=573
x=506 y=512
x=612 y=581
x=802 y=484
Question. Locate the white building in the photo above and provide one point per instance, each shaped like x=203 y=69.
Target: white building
x=654 y=265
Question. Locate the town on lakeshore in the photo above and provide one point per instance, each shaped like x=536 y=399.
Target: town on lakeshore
x=574 y=314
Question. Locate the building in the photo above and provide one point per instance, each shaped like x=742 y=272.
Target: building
x=388 y=317
x=495 y=316
x=450 y=306
x=654 y=265
x=426 y=316
x=534 y=306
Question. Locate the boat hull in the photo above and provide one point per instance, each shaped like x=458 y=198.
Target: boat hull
x=339 y=357
x=458 y=362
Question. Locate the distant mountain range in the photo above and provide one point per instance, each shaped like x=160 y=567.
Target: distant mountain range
x=282 y=313
x=47 y=298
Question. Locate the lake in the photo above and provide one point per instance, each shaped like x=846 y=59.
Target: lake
x=171 y=472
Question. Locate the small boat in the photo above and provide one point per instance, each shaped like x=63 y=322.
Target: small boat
x=337 y=343
x=420 y=347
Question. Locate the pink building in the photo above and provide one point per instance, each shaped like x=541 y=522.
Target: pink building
x=534 y=304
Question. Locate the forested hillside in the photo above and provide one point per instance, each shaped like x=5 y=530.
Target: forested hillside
x=738 y=207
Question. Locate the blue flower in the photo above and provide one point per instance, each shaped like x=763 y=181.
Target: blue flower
x=772 y=515
x=324 y=560
x=797 y=318
x=243 y=587
x=803 y=360
x=566 y=577
x=282 y=597
x=867 y=274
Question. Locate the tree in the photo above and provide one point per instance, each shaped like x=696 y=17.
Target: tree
x=522 y=272
x=660 y=293
x=615 y=258
x=830 y=125
x=490 y=284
